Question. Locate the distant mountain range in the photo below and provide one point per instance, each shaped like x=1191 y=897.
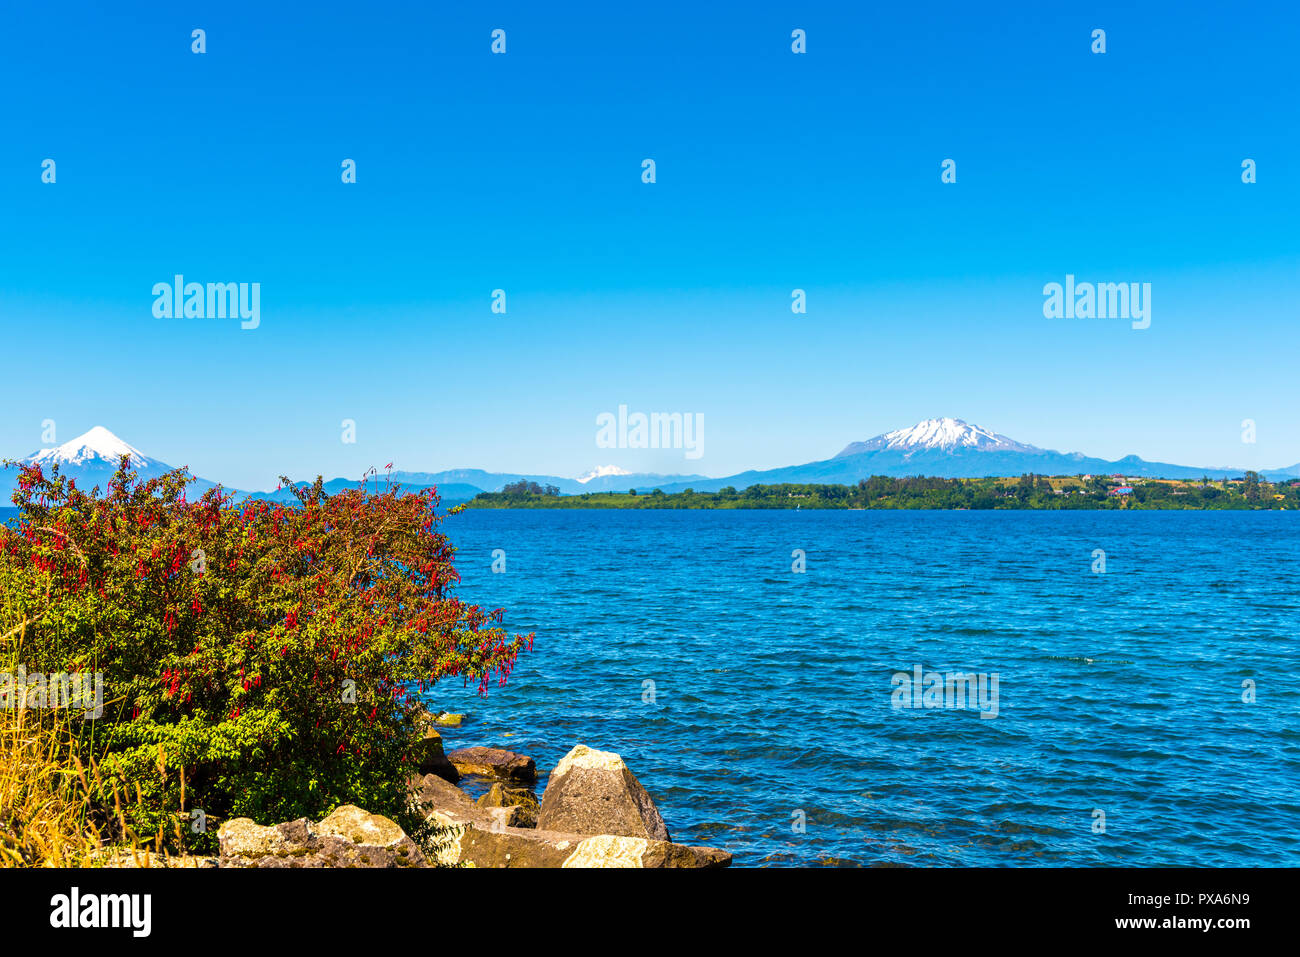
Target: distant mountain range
x=92 y=459
x=951 y=448
x=948 y=448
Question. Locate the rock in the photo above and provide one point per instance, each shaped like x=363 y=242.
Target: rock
x=480 y=836
x=607 y=850
x=520 y=802
x=423 y=716
x=431 y=759
x=667 y=854
x=361 y=827
x=494 y=763
x=594 y=792
x=241 y=837
x=486 y=846
x=450 y=807
x=441 y=795
x=499 y=818
x=349 y=837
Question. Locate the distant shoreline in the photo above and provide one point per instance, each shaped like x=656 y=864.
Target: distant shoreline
x=1023 y=493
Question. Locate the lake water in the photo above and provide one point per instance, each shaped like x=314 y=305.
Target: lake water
x=1118 y=693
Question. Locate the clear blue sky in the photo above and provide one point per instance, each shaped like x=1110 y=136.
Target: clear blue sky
x=523 y=172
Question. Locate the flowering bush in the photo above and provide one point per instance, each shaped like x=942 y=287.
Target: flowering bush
x=256 y=658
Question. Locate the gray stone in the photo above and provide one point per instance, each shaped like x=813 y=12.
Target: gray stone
x=594 y=792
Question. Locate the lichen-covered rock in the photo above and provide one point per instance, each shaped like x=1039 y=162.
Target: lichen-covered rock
x=519 y=803
x=349 y=837
x=241 y=837
x=449 y=720
x=594 y=792
x=494 y=763
x=361 y=827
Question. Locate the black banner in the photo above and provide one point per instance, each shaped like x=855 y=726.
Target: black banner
x=337 y=906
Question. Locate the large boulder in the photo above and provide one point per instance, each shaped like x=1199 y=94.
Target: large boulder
x=494 y=763
x=594 y=792
x=349 y=837
x=479 y=836
x=519 y=805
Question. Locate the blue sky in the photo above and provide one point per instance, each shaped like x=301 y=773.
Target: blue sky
x=522 y=172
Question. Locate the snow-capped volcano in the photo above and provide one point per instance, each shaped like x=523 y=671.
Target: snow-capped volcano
x=96 y=447
x=945 y=435
x=91 y=460
x=602 y=471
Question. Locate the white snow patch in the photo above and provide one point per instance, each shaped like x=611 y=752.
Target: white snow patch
x=601 y=471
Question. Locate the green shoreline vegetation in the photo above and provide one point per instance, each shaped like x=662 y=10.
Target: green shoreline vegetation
x=1028 y=491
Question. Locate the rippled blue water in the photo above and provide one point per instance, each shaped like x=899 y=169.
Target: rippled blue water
x=1119 y=691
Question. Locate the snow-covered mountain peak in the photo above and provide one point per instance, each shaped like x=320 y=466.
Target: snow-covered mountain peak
x=946 y=434
x=97 y=445
x=601 y=471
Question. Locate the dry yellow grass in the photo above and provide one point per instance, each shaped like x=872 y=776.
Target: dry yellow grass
x=44 y=814
x=44 y=819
